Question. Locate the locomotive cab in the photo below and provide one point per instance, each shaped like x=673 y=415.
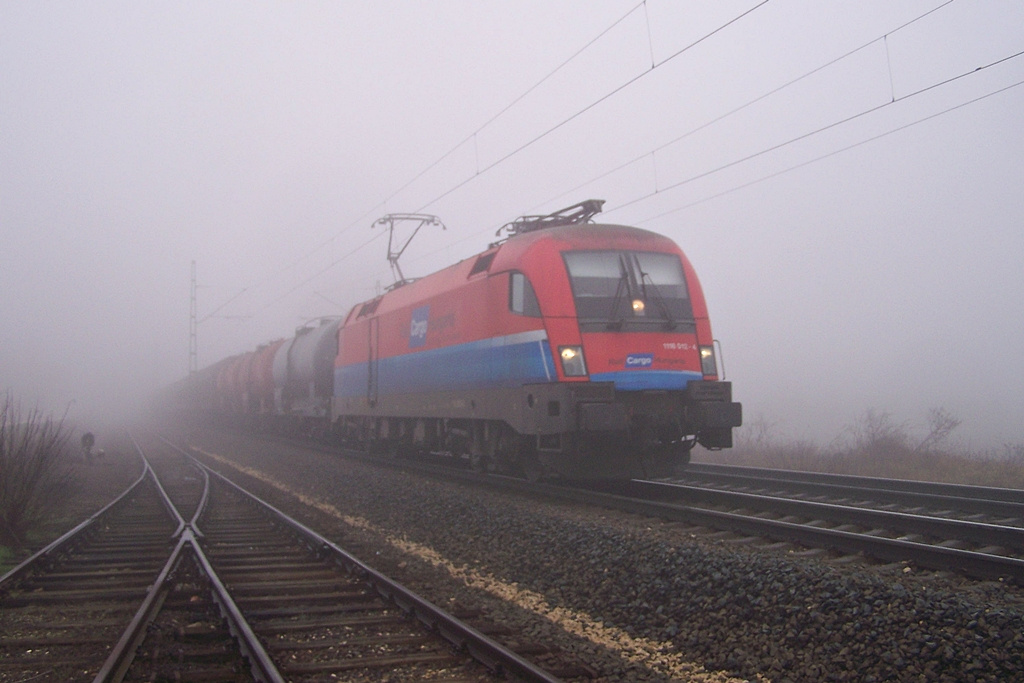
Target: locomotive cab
x=638 y=384
x=639 y=330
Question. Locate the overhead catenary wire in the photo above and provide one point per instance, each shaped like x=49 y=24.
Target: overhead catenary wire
x=803 y=136
x=614 y=91
x=439 y=160
x=822 y=129
x=671 y=186
x=471 y=137
x=781 y=172
x=383 y=203
x=332 y=264
x=832 y=153
x=745 y=105
x=509 y=155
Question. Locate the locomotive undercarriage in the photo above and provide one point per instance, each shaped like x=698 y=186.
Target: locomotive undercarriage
x=583 y=430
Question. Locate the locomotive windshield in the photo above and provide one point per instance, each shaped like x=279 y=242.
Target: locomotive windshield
x=629 y=290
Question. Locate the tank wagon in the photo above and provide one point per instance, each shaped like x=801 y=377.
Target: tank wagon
x=303 y=370
x=568 y=348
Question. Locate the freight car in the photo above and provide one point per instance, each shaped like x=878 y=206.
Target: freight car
x=568 y=349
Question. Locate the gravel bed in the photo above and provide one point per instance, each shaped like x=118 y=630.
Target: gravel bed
x=642 y=600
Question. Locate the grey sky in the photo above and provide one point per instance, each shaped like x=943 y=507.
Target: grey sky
x=871 y=264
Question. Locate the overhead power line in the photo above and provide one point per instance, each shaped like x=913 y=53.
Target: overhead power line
x=620 y=88
x=516 y=101
x=745 y=105
x=831 y=153
x=588 y=107
x=893 y=100
x=822 y=129
x=373 y=210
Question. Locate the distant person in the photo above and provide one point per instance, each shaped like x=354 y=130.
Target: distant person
x=88 y=441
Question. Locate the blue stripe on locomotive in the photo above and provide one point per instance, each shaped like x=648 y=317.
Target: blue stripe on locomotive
x=489 y=363
x=653 y=380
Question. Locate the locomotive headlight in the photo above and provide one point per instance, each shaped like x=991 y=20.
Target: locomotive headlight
x=572 y=361
x=707 y=360
x=638 y=306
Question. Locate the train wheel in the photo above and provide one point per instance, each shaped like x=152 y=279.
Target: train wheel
x=530 y=467
x=481 y=462
x=500 y=447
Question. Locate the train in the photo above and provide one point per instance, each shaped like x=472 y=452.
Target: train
x=567 y=349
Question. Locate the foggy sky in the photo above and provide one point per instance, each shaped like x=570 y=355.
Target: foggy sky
x=858 y=233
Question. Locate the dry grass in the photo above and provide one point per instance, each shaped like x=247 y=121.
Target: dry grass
x=877 y=446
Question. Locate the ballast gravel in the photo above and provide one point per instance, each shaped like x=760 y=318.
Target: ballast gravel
x=637 y=599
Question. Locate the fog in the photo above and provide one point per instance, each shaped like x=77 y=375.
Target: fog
x=844 y=176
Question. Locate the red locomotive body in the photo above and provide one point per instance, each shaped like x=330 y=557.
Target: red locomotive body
x=573 y=349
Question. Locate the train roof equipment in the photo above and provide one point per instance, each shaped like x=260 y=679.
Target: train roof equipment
x=394 y=251
x=577 y=214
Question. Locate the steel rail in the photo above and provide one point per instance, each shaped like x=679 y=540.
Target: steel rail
x=935 y=557
x=912 y=485
x=968 y=499
x=940 y=558
x=164 y=498
x=122 y=655
x=72 y=536
x=980 y=533
x=260 y=664
x=488 y=652
x=204 y=500
x=973 y=563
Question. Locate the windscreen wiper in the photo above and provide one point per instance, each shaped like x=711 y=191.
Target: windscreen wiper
x=670 y=323
x=615 y=323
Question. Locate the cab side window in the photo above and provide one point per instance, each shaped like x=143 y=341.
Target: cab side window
x=521 y=297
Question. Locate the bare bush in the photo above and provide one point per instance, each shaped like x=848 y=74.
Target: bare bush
x=759 y=444
x=756 y=434
x=941 y=424
x=875 y=434
x=794 y=455
x=33 y=469
x=877 y=445
x=1014 y=452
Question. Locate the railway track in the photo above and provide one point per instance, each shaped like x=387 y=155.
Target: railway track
x=739 y=603
x=188 y=577
x=974 y=548
x=970 y=530
x=973 y=531
x=64 y=609
x=974 y=503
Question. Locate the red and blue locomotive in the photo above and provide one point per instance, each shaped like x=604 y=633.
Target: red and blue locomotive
x=570 y=348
